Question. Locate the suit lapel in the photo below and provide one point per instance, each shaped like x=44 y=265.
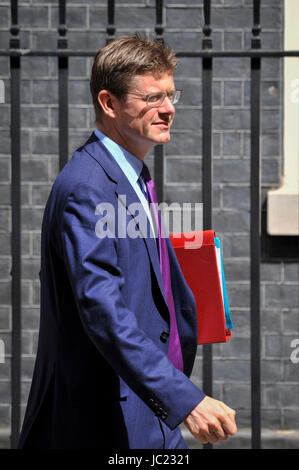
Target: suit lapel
x=127 y=197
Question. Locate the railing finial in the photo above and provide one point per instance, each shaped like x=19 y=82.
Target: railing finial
x=256 y=29
x=207 y=29
x=159 y=28
x=62 y=28
x=110 y=29
x=14 y=42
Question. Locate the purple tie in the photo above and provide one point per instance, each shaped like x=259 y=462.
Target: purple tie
x=174 y=351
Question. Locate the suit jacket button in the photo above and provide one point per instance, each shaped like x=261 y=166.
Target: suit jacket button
x=164 y=415
x=164 y=336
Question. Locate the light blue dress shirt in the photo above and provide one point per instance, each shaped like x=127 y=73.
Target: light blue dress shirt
x=130 y=165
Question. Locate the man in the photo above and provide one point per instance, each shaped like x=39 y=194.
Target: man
x=104 y=376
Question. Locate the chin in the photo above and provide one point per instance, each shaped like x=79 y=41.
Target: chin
x=163 y=138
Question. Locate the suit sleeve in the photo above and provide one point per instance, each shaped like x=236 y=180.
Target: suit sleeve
x=97 y=281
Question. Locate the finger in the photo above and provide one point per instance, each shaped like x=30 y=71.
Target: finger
x=229 y=411
x=213 y=437
x=229 y=426
x=201 y=437
x=220 y=433
x=210 y=438
x=228 y=420
x=232 y=416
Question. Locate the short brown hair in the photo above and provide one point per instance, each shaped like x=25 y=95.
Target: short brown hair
x=121 y=59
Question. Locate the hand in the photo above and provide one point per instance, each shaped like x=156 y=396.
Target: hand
x=211 y=421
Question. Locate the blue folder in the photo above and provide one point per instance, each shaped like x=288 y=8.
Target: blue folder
x=228 y=320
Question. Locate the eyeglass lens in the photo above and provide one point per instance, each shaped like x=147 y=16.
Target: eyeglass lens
x=158 y=98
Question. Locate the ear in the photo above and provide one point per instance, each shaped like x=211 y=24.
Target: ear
x=107 y=101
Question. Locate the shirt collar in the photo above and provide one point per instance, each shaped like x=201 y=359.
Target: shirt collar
x=130 y=164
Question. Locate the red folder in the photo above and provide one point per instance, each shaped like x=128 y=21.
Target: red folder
x=197 y=258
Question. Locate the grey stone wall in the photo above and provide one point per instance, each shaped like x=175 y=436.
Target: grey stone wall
x=232 y=22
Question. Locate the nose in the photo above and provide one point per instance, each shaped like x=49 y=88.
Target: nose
x=168 y=106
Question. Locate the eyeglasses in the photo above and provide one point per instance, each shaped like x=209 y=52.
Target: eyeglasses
x=154 y=100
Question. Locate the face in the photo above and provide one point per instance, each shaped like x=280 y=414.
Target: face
x=138 y=126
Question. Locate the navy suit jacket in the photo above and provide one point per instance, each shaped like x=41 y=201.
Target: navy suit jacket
x=101 y=366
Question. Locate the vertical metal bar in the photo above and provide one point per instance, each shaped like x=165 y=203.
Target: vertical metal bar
x=207 y=30
x=16 y=230
x=207 y=171
x=159 y=149
x=110 y=30
x=63 y=110
x=159 y=172
x=62 y=29
x=207 y=174
x=62 y=88
x=255 y=232
x=207 y=178
x=159 y=28
x=14 y=40
x=15 y=250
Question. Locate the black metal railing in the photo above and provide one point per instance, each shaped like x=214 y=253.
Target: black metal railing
x=207 y=55
x=16 y=225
